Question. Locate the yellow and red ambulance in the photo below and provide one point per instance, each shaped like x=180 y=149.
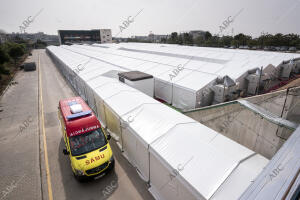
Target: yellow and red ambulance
x=85 y=139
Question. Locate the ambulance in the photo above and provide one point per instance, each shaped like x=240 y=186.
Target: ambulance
x=85 y=139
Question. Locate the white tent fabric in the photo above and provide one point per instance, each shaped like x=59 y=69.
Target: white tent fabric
x=212 y=156
x=164 y=74
x=144 y=127
x=179 y=157
x=235 y=58
x=161 y=61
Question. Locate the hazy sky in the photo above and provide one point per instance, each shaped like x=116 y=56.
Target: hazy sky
x=157 y=16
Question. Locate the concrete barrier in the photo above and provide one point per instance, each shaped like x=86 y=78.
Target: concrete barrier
x=254 y=127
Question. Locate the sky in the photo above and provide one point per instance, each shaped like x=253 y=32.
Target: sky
x=253 y=17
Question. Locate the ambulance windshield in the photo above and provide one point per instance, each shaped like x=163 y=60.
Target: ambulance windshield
x=82 y=144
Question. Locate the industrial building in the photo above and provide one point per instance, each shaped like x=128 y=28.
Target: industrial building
x=85 y=36
x=3 y=36
x=105 y=36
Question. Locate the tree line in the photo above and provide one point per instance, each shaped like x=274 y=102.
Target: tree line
x=10 y=52
x=209 y=40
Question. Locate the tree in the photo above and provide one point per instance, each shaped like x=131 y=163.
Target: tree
x=3 y=59
x=199 y=41
x=234 y=43
x=242 y=39
x=180 y=40
x=174 y=38
x=188 y=39
x=252 y=43
x=207 y=35
x=163 y=40
x=292 y=39
x=40 y=43
x=277 y=40
x=16 y=51
x=3 y=56
x=226 y=40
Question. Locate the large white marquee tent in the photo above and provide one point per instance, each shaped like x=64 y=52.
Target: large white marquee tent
x=179 y=157
x=201 y=67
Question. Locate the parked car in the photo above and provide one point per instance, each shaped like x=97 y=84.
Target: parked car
x=30 y=66
x=292 y=49
x=283 y=48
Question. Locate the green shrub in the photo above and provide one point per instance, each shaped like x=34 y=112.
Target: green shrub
x=3 y=70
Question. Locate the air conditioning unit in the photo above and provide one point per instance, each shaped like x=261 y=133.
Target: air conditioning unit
x=253 y=82
x=296 y=68
x=219 y=93
x=286 y=69
x=223 y=93
x=224 y=90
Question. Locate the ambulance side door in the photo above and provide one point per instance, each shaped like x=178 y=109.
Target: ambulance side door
x=63 y=129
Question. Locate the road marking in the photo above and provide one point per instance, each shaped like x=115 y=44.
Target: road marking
x=44 y=136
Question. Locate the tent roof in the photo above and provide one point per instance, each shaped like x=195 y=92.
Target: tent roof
x=205 y=159
x=152 y=120
x=209 y=158
x=158 y=60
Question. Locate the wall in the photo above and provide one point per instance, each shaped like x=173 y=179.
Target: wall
x=284 y=103
x=249 y=128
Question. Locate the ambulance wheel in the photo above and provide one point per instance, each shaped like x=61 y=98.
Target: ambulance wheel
x=112 y=166
x=79 y=178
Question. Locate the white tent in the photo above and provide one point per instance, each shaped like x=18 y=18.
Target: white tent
x=203 y=159
x=178 y=91
x=146 y=124
x=198 y=62
x=179 y=157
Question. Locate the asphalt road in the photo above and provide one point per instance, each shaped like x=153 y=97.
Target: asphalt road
x=19 y=139
x=28 y=110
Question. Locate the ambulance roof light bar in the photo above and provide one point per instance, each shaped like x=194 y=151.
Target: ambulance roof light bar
x=80 y=114
x=76 y=108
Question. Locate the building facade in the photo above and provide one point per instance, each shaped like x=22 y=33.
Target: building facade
x=197 y=33
x=156 y=38
x=85 y=36
x=3 y=36
x=105 y=36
